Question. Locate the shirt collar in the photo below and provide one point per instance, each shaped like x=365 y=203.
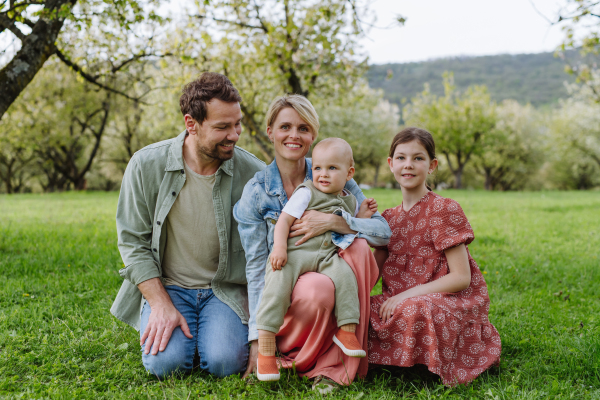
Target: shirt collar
x=175 y=158
x=273 y=183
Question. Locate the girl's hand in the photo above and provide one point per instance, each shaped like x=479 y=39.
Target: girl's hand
x=278 y=258
x=389 y=306
x=367 y=208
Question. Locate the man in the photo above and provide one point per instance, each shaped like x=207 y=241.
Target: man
x=185 y=281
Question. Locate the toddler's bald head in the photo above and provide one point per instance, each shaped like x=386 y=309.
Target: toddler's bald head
x=334 y=147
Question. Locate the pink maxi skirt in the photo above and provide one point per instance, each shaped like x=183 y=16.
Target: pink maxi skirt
x=306 y=337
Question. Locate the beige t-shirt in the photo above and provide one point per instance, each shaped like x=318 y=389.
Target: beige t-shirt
x=192 y=251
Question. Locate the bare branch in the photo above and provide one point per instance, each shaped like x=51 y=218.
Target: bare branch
x=92 y=79
x=240 y=24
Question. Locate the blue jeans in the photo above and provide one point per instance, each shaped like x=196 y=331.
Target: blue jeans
x=219 y=336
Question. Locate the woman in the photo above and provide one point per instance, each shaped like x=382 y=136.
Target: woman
x=305 y=339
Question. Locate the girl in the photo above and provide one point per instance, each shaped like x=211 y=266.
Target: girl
x=434 y=306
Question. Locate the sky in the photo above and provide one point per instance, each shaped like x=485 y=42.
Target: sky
x=443 y=28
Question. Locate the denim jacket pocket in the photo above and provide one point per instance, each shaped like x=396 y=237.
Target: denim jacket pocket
x=271 y=218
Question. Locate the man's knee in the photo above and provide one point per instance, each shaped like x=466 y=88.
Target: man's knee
x=173 y=360
x=225 y=361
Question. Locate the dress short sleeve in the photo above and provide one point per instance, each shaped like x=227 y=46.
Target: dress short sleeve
x=449 y=224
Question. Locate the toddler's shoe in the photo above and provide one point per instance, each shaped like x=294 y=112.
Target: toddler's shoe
x=266 y=368
x=349 y=344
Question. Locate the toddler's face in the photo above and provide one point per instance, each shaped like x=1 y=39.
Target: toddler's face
x=330 y=169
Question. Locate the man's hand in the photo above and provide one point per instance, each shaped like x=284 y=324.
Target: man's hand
x=367 y=208
x=164 y=317
x=313 y=223
x=252 y=357
x=278 y=258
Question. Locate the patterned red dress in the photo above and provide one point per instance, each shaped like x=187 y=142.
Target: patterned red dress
x=448 y=332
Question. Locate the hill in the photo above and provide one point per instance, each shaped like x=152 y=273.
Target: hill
x=529 y=78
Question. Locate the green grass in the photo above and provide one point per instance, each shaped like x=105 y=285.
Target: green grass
x=59 y=261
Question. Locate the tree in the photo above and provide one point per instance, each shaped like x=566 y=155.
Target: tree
x=511 y=151
x=96 y=27
x=367 y=122
x=64 y=122
x=458 y=122
x=575 y=134
x=582 y=16
x=16 y=152
x=272 y=47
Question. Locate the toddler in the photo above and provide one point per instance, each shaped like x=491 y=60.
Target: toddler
x=332 y=167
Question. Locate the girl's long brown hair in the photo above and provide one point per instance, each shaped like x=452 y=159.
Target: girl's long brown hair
x=411 y=133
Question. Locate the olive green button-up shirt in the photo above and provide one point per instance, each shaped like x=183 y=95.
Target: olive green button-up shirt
x=152 y=181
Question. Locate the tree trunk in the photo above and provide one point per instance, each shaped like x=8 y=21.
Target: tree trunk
x=488 y=179
x=458 y=178
x=36 y=48
x=376 y=177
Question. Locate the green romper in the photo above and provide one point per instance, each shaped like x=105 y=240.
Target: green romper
x=317 y=254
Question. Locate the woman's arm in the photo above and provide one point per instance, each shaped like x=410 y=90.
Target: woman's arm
x=457 y=279
x=313 y=223
x=253 y=235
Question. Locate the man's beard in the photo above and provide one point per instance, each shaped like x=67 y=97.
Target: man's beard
x=217 y=153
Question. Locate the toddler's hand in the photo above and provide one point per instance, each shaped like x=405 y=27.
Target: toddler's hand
x=278 y=258
x=367 y=208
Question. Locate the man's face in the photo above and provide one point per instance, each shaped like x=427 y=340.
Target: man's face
x=216 y=137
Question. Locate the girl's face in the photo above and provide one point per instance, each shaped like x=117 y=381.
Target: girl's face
x=411 y=165
x=291 y=135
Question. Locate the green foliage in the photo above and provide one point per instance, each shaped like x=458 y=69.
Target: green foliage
x=271 y=48
x=511 y=153
x=581 y=24
x=527 y=78
x=539 y=253
x=367 y=123
x=458 y=122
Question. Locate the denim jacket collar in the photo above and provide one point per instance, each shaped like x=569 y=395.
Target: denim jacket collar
x=273 y=183
x=175 y=159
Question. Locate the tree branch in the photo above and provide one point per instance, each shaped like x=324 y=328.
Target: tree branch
x=92 y=79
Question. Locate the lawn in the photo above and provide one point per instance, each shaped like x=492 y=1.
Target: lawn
x=59 y=260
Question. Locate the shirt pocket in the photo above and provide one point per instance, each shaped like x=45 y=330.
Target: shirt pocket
x=271 y=217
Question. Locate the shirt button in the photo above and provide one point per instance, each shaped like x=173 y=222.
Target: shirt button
x=157 y=222
x=182 y=172
x=173 y=193
x=154 y=250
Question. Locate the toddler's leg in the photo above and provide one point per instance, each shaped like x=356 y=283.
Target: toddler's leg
x=267 y=368
x=347 y=306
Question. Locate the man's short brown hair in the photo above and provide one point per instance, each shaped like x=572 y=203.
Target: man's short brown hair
x=198 y=93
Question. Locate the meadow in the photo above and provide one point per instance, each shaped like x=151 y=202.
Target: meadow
x=539 y=252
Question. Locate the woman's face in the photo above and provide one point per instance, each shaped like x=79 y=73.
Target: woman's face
x=291 y=135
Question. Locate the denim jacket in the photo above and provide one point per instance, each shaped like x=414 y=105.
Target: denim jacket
x=152 y=181
x=256 y=214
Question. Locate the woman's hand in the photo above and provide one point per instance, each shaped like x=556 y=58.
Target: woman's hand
x=252 y=357
x=313 y=223
x=389 y=306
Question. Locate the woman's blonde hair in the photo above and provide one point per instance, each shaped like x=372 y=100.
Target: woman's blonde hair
x=299 y=103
